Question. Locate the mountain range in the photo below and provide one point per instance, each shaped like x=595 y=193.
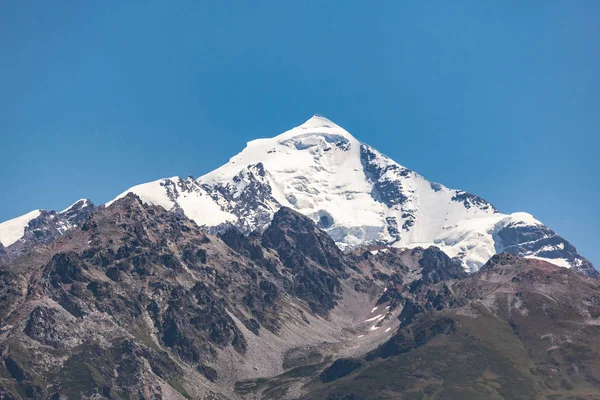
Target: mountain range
x=310 y=266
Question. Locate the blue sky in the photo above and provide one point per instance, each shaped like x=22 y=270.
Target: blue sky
x=499 y=98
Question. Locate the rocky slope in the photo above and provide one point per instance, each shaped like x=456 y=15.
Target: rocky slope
x=138 y=302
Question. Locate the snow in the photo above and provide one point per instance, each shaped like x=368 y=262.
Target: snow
x=524 y=218
x=474 y=238
x=151 y=192
x=317 y=165
x=85 y=203
x=63 y=227
x=375 y=318
x=195 y=203
x=374 y=327
x=14 y=229
x=201 y=209
x=548 y=247
x=374 y=309
x=387 y=330
x=561 y=262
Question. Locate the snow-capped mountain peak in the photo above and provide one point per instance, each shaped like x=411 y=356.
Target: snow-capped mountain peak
x=356 y=194
x=316 y=122
x=318 y=125
x=317 y=135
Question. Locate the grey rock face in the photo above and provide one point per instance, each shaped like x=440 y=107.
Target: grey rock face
x=79 y=212
x=385 y=188
x=470 y=200
x=248 y=196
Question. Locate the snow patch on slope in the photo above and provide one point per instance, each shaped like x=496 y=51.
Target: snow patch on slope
x=176 y=193
x=151 y=192
x=561 y=262
x=474 y=240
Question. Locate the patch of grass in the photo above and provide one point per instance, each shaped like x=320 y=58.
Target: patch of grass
x=177 y=385
x=80 y=378
x=298 y=357
x=303 y=371
x=250 y=386
x=277 y=387
x=140 y=334
x=485 y=363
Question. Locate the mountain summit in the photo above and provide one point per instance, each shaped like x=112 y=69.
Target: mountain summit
x=316 y=122
x=357 y=195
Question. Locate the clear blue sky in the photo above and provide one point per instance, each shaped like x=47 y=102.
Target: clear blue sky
x=499 y=98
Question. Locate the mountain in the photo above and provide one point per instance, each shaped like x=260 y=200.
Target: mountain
x=21 y=234
x=138 y=302
x=358 y=196
x=310 y=266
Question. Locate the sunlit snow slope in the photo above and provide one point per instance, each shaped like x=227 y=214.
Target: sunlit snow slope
x=14 y=229
x=357 y=195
